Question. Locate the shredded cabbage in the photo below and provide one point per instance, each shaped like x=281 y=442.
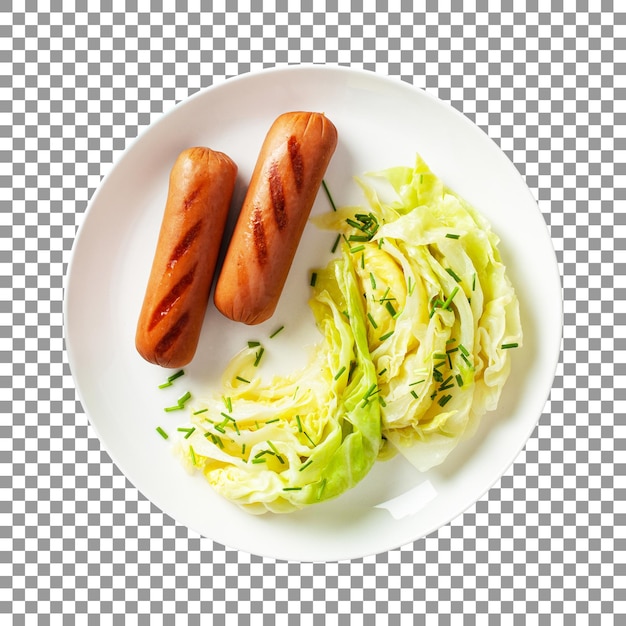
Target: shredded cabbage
x=413 y=314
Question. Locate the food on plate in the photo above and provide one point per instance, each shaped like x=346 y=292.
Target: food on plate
x=282 y=190
x=418 y=318
x=201 y=185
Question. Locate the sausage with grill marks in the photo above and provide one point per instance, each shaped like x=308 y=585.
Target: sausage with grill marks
x=287 y=176
x=201 y=185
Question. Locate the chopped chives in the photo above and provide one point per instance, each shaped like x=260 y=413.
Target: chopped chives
x=299 y=423
x=410 y=286
x=242 y=379
x=386 y=335
x=371 y=391
x=330 y=198
x=189 y=431
x=390 y=308
x=357 y=249
x=167 y=383
x=193 y=455
x=186 y=396
x=276 y=332
x=228 y=403
x=220 y=428
x=417 y=382
x=439 y=355
x=176 y=407
x=381 y=401
x=358 y=238
x=466 y=360
x=474 y=282
x=459 y=380
x=336 y=243
x=453 y=274
x=162 y=432
x=258 y=356
x=372 y=280
x=309 y=438
x=506 y=346
x=363 y=261
x=303 y=467
x=272 y=421
x=257 y=461
x=446 y=304
x=199 y=411
x=452 y=236
x=445 y=387
x=254 y=344
x=243 y=449
x=382 y=371
x=340 y=372
x=463 y=350
x=292 y=488
x=444 y=400
x=372 y=321
x=414 y=394
x=313 y=278
x=353 y=365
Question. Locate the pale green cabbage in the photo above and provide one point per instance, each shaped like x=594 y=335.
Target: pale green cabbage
x=413 y=316
x=301 y=439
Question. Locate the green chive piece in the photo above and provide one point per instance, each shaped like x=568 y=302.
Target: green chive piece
x=453 y=274
x=390 y=308
x=353 y=365
x=452 y=236
x=178 y=374
x=410 y=286
x=192 y=454
x=299 y=423
x=340 y=372
x=372 y=280
x=459 y=380
x=386 y=336
x=162 y=432
x=257 y=461
x=243 y=449
x=253 y=344
x=220 y=428
x=165 y=384
x=382 y=371
x=258 y=355
x=276 y=332
x=313 y=278
x=199 y=411
x=309 y=438
x=467 y=362
x=189 y=431
x=507 y=346
x=463 y=350
x=414 y=394
x=186 y=396
x=381 y=401
x=358 y=238
x=176 y=407
x=372 y=321
x=330 y=198
x=292 y=488
x=242 y=379
x=228 y=403
x=357 y=249
x=439 y=355
x=336 y=243
x=446 y=304
x=474 y=282
x=444 y=400
x=303 y=467
x=273 y=420
x=417 y=382
x=363 y=261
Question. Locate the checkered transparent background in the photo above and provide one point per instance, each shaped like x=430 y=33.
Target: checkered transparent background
x=79 y=80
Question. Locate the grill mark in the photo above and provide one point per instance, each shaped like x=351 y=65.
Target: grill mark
x=189 y=200
x=176 y=292
x=258 y=234
x=297 y=163
x=166 y=342
x=185 y=243
x=277 y=195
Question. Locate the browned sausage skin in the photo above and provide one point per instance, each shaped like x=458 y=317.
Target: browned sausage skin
x=283 y=187
x=200 y=190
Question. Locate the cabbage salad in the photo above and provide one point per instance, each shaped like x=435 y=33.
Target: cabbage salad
x=417 y=319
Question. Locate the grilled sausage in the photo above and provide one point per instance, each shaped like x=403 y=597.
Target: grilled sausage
x=200 y=190
x=287 y=176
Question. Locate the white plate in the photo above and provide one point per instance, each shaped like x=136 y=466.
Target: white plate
x=381 y=122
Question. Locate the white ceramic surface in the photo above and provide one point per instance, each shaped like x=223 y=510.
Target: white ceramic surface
x=381 y=122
